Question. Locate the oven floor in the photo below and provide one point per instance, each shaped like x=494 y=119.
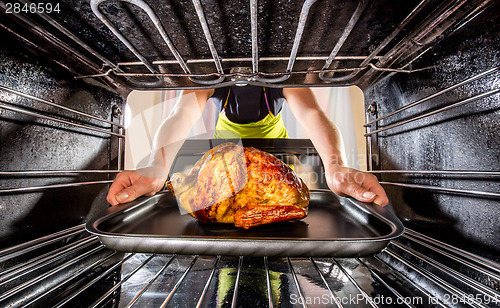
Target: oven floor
x=73 y=269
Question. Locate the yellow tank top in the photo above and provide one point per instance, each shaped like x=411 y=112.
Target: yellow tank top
x=269 y=127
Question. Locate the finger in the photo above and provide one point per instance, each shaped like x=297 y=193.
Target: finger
x=111 y=198
x=358 y=192
x=121 y=182
x=372 y=184
x=381 y=198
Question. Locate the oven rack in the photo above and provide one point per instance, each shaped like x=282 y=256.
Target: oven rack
x=402 y=47
x=71 y=268
x=424 y=29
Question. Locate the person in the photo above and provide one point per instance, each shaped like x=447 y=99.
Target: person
x=249 y=112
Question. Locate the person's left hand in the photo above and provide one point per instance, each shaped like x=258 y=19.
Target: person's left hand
x=360 y=185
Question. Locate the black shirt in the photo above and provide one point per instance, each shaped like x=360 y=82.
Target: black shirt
x=247 y=104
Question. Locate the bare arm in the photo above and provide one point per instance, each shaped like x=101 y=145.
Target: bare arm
x=170 y=136
x=175 y=129
x=328 y=142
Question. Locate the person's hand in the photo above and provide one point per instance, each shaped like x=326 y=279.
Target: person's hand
x=362 y=186
x=130 y=184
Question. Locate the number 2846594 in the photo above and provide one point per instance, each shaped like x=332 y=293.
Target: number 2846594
x=32 y=8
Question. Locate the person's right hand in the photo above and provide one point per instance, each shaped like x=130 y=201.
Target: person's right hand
x=360 y=185
x=130 y=184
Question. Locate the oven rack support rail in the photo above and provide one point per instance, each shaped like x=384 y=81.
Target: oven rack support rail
x=382 y=123
x=4 y=104
x=71 y=267
x=430 y=97
x=446 y=18
x=443 y=173
x=445 y=108
x=20 y=109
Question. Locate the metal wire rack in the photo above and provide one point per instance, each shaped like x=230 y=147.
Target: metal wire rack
x=399 y=52
x=412 y=271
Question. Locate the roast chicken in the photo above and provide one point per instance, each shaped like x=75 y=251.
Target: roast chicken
x=243 y=186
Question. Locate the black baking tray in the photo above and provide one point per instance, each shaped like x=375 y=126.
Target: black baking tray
x=335 y=227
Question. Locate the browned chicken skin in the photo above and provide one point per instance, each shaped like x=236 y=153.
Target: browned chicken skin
x=242 y=186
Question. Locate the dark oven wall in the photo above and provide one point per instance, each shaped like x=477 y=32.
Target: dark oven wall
x=449 y=126
x=55 y=163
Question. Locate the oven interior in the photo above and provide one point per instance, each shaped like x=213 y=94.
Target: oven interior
x=429 y=71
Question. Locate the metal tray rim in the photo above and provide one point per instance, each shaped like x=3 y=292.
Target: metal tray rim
x=397 y=228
